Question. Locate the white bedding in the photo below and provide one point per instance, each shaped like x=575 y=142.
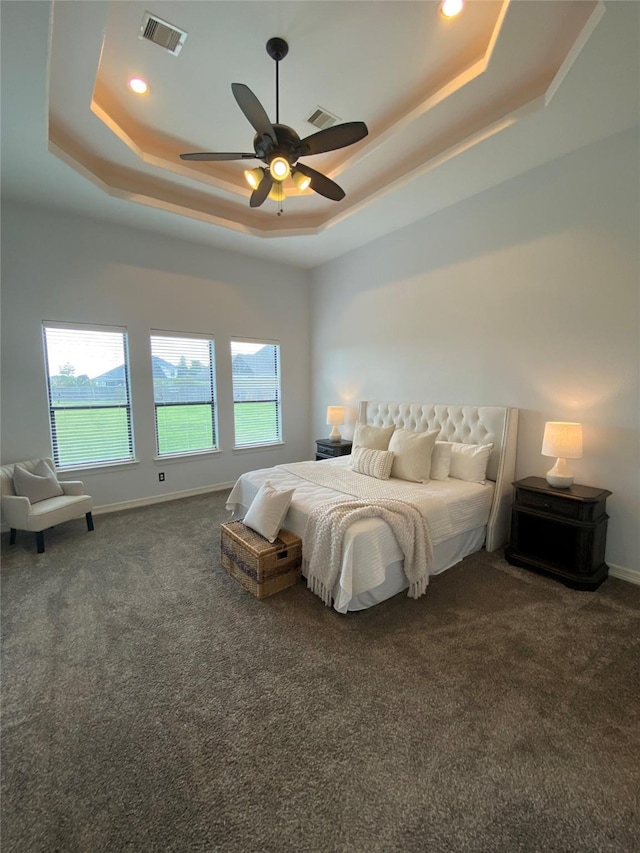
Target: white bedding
x=453 y=508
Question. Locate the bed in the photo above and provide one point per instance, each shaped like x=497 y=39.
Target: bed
x=462 y=516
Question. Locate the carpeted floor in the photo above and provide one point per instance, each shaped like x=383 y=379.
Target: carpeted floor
x=149 y=703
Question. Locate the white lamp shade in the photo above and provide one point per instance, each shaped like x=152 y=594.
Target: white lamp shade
x=335 y=415
x=563 y=440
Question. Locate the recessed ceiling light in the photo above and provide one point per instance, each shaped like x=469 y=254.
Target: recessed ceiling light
x=137 y=85
x=451 y=8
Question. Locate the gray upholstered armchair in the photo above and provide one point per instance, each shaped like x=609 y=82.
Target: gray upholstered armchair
x=49 y=502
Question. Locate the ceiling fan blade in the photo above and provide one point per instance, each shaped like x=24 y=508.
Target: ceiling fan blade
x=321 y=184
x=331 y=138
x=260 y=194
x=254 y=111
x=207 y=156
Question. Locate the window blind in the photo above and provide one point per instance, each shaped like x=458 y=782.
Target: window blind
x=89 y=397
x=256 y=392
x=184 y=393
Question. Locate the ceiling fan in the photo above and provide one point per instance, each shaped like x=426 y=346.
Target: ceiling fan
x=279 y=146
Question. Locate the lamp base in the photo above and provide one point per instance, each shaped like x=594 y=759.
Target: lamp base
x=560 y=477
x=335 y=434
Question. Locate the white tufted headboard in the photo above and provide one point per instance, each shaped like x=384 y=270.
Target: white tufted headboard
x=468 y=425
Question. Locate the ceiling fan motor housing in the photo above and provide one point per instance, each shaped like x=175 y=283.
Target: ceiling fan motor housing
x=288 y=145
x=277 y=48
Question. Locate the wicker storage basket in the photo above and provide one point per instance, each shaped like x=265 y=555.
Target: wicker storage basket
x=261 y=567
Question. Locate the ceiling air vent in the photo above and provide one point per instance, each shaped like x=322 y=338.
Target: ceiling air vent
x=322 y=119
x=159 y=32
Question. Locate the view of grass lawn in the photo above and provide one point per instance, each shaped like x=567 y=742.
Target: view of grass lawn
x=256 y=423
x=184 y=429
x=91 y=435
x=101 y=435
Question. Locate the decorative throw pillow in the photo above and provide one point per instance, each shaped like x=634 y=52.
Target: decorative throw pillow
x=469 y=461
x=267 y=511
x=373 y=463
x=412 y=459
x=441 y=460
x=375 y=438
x=39 y=486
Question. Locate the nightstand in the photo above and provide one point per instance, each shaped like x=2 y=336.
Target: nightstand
x=560 y=532
x=327 y=449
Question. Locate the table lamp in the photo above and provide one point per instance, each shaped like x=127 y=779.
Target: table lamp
x=564 y=441
x=335 y=417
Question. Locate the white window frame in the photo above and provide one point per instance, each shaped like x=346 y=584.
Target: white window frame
x=159 y=405
x=261 y=441
x=54 y=409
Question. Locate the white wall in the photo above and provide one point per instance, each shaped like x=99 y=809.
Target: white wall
x=60 y=267
x=525 y=295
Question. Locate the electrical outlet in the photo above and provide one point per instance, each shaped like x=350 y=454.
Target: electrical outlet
x=161 y=476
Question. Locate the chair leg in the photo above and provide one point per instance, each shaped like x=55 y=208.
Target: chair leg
x=12 y=536
x=40 y=541
x=89 y=518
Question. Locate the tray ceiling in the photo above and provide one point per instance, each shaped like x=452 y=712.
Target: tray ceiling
x=432 y=92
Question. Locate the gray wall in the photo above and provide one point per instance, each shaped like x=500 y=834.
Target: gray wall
x=59 y=267
x=525 y=295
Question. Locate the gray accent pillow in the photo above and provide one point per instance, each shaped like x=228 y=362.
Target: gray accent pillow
x=39 y=486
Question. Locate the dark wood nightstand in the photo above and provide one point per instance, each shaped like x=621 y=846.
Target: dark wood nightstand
x=327 y=449
x=560 y=532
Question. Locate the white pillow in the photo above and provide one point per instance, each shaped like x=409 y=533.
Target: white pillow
x=375 y=438
x=373 y=463
x=441 y=460
x=267 y=511
x=469 y=461
x=39 y=486
x=412 y=459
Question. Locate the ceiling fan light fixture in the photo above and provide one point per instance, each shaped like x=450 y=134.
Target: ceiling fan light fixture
x=451 y=8
x=253 y=177
x=301 y=181
x=276 y=193
x=279 y=168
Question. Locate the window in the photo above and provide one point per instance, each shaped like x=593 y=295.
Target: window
x=184 y=393
x=256 y=392
x=89 y=399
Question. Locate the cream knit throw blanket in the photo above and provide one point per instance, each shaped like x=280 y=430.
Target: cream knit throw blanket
x=326 y=526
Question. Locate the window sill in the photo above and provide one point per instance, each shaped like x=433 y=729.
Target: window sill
x=184 y=457
x=257 y=447
x=97 y=467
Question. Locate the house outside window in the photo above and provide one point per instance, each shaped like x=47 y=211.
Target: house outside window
x=184 y=393
x=89 y=394
x=256 y=392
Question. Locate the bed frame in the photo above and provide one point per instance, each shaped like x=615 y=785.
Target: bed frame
x=469 y=425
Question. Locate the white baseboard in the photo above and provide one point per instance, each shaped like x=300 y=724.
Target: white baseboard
x=158 y=499
x=629 y=575
x=155 y=499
